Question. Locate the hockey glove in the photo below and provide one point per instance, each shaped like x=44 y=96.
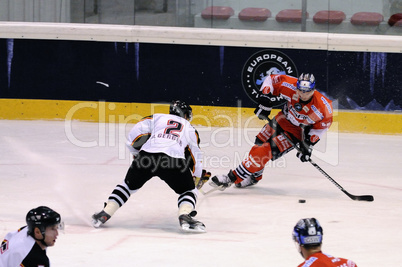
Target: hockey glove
x=262 y=112
x=306 y=147
x=265 y=104
x=269 y=100
x=200 y=181
x=304 y=153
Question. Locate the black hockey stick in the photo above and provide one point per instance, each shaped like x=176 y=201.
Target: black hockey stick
x=354 y=197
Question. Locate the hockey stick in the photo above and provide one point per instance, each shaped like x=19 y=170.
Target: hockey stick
x=354 y=197
x=210 y=190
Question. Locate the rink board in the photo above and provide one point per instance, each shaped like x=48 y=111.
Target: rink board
x=211 y=116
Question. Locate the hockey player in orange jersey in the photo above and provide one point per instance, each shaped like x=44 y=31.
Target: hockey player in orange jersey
x=305 y=116
x=307 y=235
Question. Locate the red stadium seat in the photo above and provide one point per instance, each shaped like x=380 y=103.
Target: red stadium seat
x=290 y=15
x=254 y=14
x=367 y=18
x=329 y=17
x=217 y=12
x=395 y=20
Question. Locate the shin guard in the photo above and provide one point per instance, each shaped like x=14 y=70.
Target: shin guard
x=254 y=164
x=258 y=156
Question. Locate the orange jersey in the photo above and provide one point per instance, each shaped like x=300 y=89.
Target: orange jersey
x=316 y=113
x=320 y=259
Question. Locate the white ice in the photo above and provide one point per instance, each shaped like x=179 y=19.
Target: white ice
x=72 y=167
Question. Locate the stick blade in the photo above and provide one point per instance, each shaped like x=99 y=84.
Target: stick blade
x=368 y=198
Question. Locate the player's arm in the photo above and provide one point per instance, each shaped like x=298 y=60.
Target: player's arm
x=267 y=100
x=138 y=135
x=13 y=256
x=266 y=103
x=310 y=137
x=312 y=134
x=195 y=152
x=191 y=160
x=306 y=144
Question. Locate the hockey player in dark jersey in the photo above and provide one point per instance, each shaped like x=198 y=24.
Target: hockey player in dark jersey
x=307 y=235
x=27 y=246
x=160 y=144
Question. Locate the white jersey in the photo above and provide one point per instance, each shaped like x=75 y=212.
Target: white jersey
x=169 y=134
x=16 y=247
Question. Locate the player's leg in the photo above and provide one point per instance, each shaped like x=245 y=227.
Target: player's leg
x=180 y=179
x=117 y=198
x=270 y=144
x=187 y=211
x=250 y=170
x=137 y=175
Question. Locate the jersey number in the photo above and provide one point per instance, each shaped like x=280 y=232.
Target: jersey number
x=4 y=246
x=173 y=128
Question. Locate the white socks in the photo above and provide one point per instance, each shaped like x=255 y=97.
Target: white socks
x=111 y=207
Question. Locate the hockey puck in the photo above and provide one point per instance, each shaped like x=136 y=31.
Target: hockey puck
x=302 y=201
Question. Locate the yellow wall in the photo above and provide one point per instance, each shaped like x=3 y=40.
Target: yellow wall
x=27 y=109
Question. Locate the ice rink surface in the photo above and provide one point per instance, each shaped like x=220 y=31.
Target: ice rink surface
x=72 y=167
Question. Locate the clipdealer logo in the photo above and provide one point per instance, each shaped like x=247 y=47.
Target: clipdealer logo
x=262 y=64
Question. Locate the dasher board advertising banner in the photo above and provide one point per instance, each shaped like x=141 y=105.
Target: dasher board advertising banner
x=199 y=74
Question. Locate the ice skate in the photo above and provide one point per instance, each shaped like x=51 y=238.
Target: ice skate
x=100 y=218
x=188 y=224
x=223 y=181
x=249 y=181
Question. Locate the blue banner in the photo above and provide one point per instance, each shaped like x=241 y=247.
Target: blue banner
x=200 y=75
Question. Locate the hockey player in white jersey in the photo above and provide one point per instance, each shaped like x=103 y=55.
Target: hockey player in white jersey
x=167 y=146
x=27 y=246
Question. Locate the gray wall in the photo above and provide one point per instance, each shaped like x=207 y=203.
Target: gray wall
x=35 y=11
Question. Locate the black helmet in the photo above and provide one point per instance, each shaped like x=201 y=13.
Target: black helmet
x=41 y=217
x=181 y=109
x=308 y=232
x=306 y=82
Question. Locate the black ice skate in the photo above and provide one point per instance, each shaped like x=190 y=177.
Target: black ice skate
x=188 y=224
x=99 y=218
